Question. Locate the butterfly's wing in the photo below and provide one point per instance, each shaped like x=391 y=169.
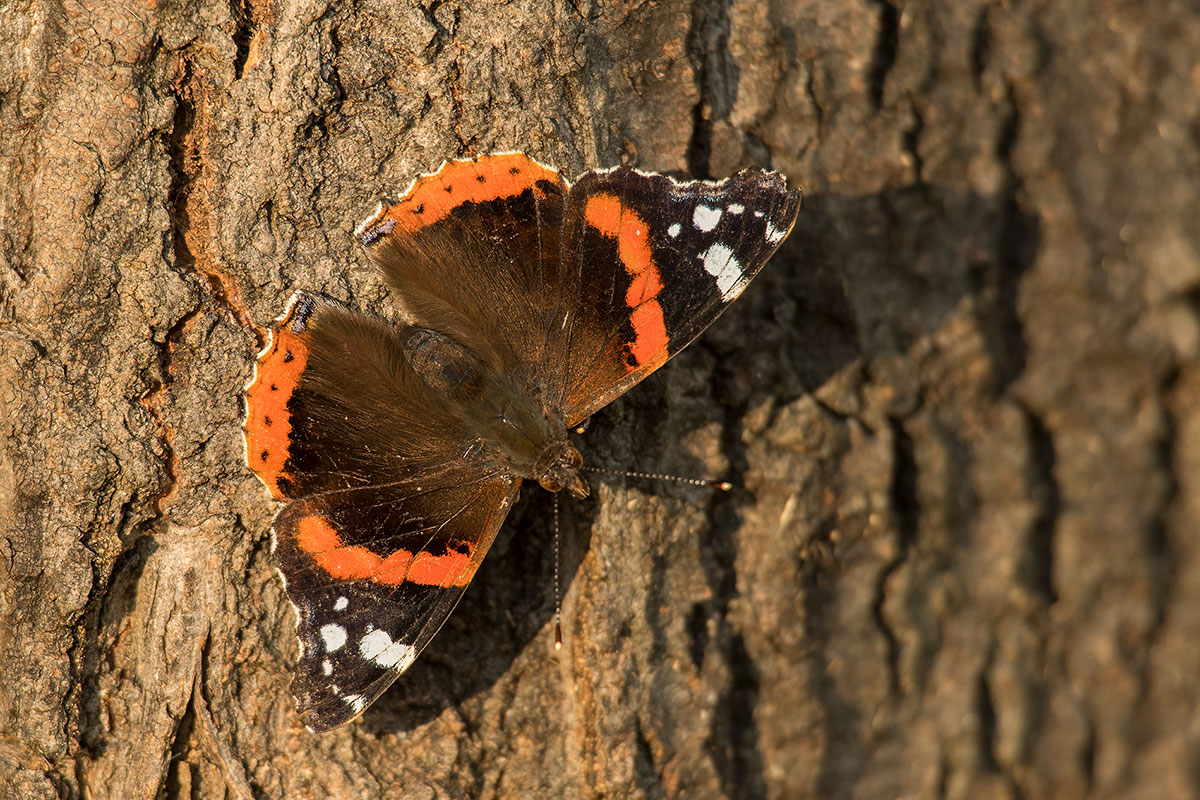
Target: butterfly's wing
x=648 y=263
x=578 y=291
x=391 y=504
x=473 y=251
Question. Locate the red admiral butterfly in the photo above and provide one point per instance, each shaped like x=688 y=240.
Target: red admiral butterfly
x=399 y=448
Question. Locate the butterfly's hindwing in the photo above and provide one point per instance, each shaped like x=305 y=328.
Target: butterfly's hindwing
x=473 y=251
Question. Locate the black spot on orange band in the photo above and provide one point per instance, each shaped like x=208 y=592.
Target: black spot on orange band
x=487 y=179
x=268 y=426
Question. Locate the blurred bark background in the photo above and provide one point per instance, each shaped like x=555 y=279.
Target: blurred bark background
x=962 y=406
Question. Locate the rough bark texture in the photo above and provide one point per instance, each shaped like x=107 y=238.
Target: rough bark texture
x=962 y=406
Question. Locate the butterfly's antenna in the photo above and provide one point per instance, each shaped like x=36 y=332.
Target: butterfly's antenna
x=557 y=597
x=724 y=486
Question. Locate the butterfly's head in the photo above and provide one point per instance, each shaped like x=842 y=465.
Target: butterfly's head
x=564 y=473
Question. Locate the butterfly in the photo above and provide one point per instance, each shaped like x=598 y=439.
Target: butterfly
x=527 y=303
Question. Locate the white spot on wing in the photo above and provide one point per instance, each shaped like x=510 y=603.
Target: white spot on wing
x=721 y=264
x=377 y=646
x=758 y=214
x=356 y=702
x=735 y=208
x=674 y=230
x=774 y=235
x=341 y=604
x=334 y=637
x=706 y=218
x=327 y=667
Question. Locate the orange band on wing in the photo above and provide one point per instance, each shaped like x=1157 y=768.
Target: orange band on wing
x=646 y=349
x=344 y=563
x=482 y=180
x=611 y=218
x=268 y=426
x=315 y=536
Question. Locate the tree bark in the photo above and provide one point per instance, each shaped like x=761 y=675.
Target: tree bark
x=960 y=406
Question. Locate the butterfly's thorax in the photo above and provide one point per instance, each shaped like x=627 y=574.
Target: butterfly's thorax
x=529 y=440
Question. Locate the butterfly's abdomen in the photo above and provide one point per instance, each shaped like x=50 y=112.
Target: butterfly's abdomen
x=449 y=368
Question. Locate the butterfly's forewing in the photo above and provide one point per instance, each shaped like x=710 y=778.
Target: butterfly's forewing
x=400 y=558
x=392 y=503
x=650 y=263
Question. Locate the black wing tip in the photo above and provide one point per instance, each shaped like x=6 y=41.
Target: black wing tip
x=746 y=184
x=327 y=711
x=753 y=174
x=770 y=180
x=315 y=723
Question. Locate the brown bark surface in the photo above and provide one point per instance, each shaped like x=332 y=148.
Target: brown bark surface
x=962 y=406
